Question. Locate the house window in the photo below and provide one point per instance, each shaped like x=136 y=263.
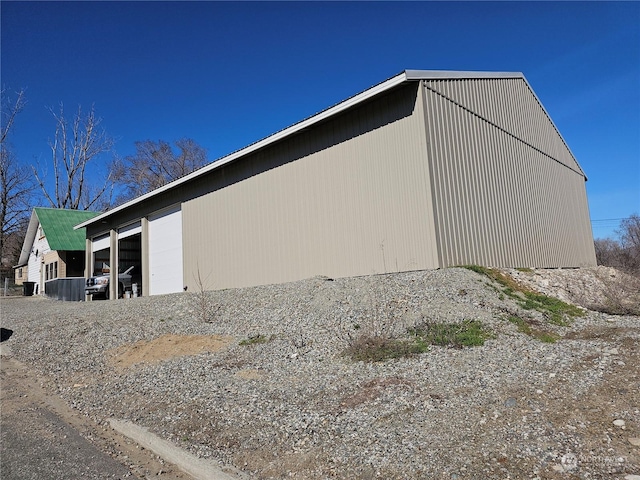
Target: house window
x=20 y=273
x=51 y=271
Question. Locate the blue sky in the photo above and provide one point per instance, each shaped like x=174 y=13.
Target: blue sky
x=229 y=73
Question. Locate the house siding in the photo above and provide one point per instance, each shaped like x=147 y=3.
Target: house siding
x=21 y=275
x=49 y=258
x=35 y=274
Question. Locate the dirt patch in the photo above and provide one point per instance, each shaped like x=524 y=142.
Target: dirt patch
x=165 y=347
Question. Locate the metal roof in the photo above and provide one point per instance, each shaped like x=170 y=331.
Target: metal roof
x=452 y=75
x=58 y=227
x=403 y=77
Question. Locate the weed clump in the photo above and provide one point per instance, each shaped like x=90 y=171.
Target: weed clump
x=373 y=331
x=376 y=348
x=469 y=333
x=372 y=348
x=556 y=311
x=378 y=332
x=527 y=328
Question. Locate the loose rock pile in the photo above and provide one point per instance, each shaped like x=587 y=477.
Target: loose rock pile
x=292 y=405
x=595 y=288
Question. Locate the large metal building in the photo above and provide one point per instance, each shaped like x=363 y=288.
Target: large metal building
x=425 y=170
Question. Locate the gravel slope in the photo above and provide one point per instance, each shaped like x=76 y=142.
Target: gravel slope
x=296 y=407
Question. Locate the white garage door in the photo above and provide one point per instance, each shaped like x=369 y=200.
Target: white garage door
x=165 y=252
x=100 y=243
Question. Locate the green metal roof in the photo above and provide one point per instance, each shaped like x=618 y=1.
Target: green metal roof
x=58 y=224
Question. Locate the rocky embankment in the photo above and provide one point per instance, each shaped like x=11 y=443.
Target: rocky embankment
x=256 y=378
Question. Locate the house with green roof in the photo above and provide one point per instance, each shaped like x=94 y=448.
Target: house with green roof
x=52 y=249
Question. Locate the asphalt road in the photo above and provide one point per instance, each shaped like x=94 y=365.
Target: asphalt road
x=37 y=443
x=42 y=438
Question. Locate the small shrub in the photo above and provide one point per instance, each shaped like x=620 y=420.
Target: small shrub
x=206 y=309
x=470 y=333
x=372 y=330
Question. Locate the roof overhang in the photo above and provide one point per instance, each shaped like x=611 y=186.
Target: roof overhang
x=29 y=239
x=350 y=102
x=453 y=75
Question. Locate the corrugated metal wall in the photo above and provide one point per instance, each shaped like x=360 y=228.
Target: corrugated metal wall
x=429 y=174
x=509 y=104
x=349 y=197
x=507 y=191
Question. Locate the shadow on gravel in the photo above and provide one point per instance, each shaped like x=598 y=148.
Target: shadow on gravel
x=5 y=334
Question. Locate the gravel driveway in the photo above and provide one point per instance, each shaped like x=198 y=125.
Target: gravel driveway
x=256 y=378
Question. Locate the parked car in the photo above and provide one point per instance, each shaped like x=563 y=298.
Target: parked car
x=99 y=285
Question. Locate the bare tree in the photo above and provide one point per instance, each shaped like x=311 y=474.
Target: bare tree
x=608 y=252
x=623 y=253
x=16 y=185
x=74 y=147
x=629 y=232
x=155 y=164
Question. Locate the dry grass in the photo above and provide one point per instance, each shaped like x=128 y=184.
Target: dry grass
x=373 y=348
x=526 y=326
x=469 y=333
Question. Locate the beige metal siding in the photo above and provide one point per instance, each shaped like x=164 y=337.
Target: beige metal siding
x=423 y=175
x=499 y=200
x=348 y=197
x=509 y=104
